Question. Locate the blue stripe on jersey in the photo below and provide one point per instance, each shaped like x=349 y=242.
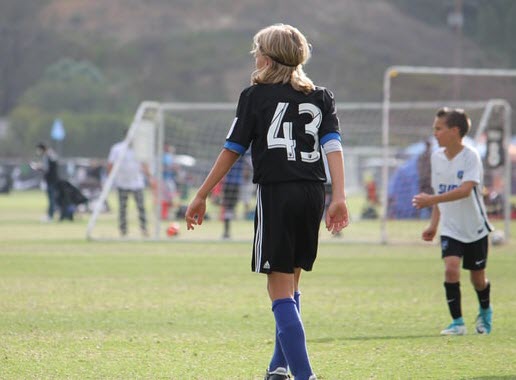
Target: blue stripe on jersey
x=234 y=147
x=330 y=136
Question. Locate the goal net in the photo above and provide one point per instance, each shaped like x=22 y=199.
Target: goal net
x=381 y=178
x=486 y=96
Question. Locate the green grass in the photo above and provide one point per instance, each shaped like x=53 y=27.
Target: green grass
x=72 y=309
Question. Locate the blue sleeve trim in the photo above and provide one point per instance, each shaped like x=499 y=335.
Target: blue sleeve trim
x=237 y=148
x=330 y=136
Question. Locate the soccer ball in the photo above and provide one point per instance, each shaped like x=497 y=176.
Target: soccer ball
x=497 y=238
x=173 y=229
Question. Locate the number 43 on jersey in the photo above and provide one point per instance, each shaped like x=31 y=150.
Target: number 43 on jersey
x=287 y=142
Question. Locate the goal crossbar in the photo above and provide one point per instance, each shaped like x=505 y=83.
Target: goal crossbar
x=394 y=71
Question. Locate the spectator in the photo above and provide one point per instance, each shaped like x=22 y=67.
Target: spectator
x=169 y=188
x=130 y=179
x=48 y=165
x=231 y=193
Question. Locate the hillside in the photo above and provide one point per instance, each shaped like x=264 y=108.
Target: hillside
x=92 y=62
x=354 y=41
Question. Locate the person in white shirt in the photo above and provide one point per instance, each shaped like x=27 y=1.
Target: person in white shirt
x=130 y=179
x=457 y=180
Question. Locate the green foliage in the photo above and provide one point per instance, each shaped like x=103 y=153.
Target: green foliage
x=67 y=69
x=70 y=86
x=92 y=134
x=45 y=73
x=87 y=134
x=74 y=95
x=77 y=92
x=29 y=125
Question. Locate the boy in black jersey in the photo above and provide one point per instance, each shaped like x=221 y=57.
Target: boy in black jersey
x=285 y=119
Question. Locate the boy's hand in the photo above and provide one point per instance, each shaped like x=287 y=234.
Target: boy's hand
x=337 y=216
x=429 y=234
x=195 y=212
x=422 y=200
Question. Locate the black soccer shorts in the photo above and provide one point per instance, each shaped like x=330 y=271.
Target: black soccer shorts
x=474 y=254
x=286 y=226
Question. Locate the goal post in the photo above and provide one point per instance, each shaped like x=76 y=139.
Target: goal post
x=146 y=135
x=487 y=93
x=197 y=132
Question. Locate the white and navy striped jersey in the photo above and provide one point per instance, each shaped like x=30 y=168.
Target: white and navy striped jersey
x=464 y=219
x=285 y=129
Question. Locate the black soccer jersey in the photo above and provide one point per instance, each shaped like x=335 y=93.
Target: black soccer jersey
x=285 y=129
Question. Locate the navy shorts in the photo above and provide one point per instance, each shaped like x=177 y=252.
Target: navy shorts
x=286 y=226
x=474 y=254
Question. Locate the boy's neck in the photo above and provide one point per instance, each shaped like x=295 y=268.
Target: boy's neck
x=452 y=150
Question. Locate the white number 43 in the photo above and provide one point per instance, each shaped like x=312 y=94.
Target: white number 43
x=287 y=142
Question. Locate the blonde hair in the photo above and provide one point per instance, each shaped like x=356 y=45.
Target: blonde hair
x=288 y=50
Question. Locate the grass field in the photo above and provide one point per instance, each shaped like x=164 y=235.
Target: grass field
x=73 y=309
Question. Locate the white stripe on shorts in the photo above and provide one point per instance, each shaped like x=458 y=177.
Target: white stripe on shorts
x=259 y=231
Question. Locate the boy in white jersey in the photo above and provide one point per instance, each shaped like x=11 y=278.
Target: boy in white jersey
x=457 y=177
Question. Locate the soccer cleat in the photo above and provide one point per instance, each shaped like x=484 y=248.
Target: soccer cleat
x=279 y=373
x=312 y=377
x=484 y=321
x=454 y=329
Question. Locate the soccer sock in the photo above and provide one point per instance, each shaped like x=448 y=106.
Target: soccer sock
x=226 y=227
x=484 y=296
x=278 y=357
x=292 y=337
x=453 y=298
x=297 y=298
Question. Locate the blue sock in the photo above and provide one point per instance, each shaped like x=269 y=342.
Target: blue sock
x=458 y=321
x=278 y=357
x=297 y=296
x=291 y=335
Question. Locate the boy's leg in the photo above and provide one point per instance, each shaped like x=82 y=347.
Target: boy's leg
x=278 y=359
x=122 y=211
x=291 y=332
x=483 y=289
x=453 y=298
x=453 y=295
x=228 y=216
x=140 y=204
x=52 y=202
x=452 y=285
x=475 y=261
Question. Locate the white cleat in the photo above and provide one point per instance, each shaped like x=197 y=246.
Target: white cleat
x=454 y=329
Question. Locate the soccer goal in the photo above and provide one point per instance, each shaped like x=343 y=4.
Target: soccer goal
x=195 y=133
x=483 y=94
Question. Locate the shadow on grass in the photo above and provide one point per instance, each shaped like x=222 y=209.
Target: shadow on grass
x=504 y=377
x=364 y=338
